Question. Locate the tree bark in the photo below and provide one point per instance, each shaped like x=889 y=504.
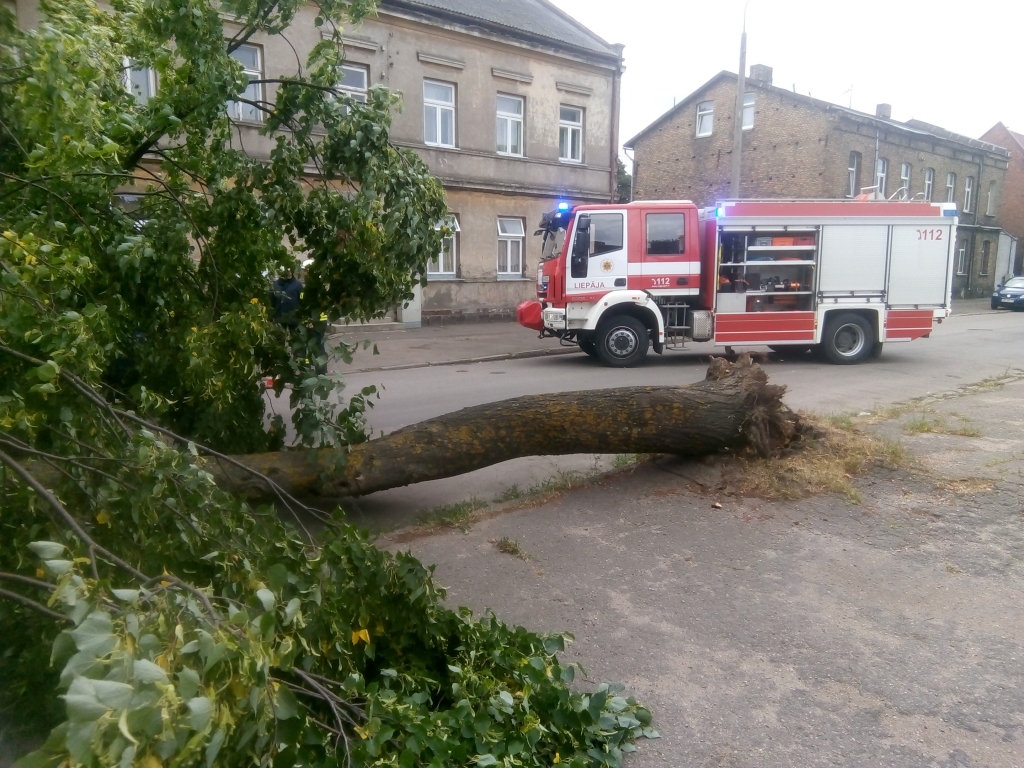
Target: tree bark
x=734 y=408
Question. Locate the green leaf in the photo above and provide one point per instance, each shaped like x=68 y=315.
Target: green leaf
x=485 y=760
x=200 y=711
x=148 y=672
x=47 y=550
x=285 y=704
x=213 y=748
x=188 y=683
x=113 y=694
x=48 y=371
x=95 y=634
x=267 y=598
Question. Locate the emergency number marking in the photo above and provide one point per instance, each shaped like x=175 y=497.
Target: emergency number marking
x=659 y=282
x=929 y=234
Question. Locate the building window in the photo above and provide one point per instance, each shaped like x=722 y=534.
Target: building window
x=929 y=183
x=570 y=134
x=354 y=81
x=968 y=193
x=905 y=180
x=705 y=118
x=445 y=263
x=961 y=259
x=510 y=125
x=853 y=174
x=881 y=172
x=990 y=204
x=139 y=81
x=748 y=111
x=511 y=234
x=438 y=114
x=950 y=187
x=986 y=249
x=251 y=109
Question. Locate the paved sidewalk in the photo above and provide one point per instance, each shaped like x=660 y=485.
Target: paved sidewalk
x=446 y=345
x=481 y=342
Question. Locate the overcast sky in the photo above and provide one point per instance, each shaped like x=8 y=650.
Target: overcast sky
x=956 y=65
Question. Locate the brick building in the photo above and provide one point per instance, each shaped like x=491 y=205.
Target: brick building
x=795 y=146
x=1011 y=199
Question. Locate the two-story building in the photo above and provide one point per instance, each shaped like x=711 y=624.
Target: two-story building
x=513 y=105
x=795 y=146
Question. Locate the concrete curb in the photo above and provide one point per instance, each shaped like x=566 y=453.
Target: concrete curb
x=467 y=360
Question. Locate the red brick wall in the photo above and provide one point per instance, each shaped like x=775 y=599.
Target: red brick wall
x=1011 y=198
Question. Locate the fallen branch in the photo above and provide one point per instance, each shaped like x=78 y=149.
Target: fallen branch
x=733 y=409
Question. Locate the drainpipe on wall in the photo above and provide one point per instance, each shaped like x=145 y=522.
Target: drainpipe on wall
x=616 y=91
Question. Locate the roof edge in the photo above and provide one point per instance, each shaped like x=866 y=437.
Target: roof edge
x=427 y=11
x=675 y=108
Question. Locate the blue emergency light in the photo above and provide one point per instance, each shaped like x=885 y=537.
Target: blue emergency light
x=563 y=206
x=720 y=212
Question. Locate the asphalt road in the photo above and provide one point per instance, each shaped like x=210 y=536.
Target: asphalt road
x=964 y=349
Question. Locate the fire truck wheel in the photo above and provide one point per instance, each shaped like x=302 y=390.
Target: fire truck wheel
x=588 y=344
x=847 y=339
x=622 y=341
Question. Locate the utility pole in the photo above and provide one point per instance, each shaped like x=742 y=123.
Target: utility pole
x=737 y=136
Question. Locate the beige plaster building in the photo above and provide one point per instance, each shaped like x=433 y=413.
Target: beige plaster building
x=513 y=104
x=795 y=146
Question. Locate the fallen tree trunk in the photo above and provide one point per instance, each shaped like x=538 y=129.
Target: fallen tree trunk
x=734 y=408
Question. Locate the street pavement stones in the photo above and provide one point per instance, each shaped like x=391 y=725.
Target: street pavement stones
x=808 y=633
x=399 y=349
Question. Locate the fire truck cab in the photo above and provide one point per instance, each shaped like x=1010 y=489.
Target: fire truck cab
x=839 y=276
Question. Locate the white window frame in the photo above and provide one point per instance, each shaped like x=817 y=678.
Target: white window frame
x=990 y=204
x=440 y=108
x=961 y=259
x=567 y=129
x=436 y=266
x=749 y=102
x=853 y=166
x=929 y=183
x=515 y=233
x=881 y=175
x=358 y=94
x=906 y=173
x=968 y=193
x=504 y=124
x=235 y=107
x=950 y=187
x=705 y=119
x=126 y=78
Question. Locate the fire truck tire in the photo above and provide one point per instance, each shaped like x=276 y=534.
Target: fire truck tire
x=847 y=339
x=588 y=344
x=622 y=341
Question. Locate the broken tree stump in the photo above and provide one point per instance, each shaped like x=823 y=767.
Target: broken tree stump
x=734 y=408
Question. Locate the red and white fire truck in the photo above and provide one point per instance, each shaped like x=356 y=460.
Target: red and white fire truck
x=839 y=276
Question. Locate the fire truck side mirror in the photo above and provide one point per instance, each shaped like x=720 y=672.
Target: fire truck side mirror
x=581 y=245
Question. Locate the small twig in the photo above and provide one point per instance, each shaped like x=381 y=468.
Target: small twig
x=33 y=605
x=27 y=580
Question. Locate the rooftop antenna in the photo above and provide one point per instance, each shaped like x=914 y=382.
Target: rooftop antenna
x=737 y=135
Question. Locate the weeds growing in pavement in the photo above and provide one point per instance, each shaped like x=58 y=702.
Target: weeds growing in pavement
x=509 y=546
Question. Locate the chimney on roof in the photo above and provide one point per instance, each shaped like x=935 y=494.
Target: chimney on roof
x=761 y=74
x=884 y=111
